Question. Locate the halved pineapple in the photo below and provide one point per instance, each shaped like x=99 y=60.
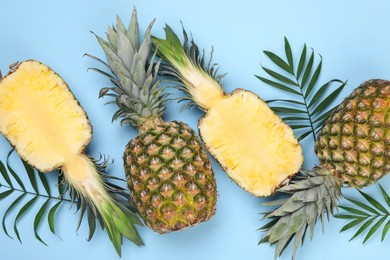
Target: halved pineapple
x=254 y=146
x=41 y=117
x=44 y=122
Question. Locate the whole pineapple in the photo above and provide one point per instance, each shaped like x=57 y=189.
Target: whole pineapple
x=168 y=171
x=354 y=143
x=354 y=149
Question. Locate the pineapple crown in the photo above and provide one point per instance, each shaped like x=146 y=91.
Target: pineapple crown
x=137 y=90
x=180 y=57
x=312 y=194
x=116 y=227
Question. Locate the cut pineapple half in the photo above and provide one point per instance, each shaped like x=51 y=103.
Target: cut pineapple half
x=41 y=117
x=44 y=122
x=254 y=146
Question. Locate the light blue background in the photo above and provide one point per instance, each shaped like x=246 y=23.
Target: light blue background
x=352 y=36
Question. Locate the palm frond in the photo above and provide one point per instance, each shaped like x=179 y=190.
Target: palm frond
x=50 y=201
x=307 y=102
x=371 y=216
x=14 y=185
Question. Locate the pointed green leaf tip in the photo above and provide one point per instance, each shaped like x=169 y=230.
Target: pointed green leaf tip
x=171 y=48
x=184 y=55
x=118 y=220
x=185 y=62
x=118 y=223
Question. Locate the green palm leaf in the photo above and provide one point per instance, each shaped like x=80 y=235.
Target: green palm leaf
x=9 y=209
x=306 y=106
x=13 y=173
x=21 y=212
x=51 y=218
x=38 y=219
x=302 y=61
x=49 y=203
x=370 y=216
x=385 y=230
x=5 y=174
x=280 y=62
x=308 y=101
x=36 y=196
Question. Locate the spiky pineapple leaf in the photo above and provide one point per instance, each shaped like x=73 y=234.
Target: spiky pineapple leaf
x=300 y=81
x=311 y=196
x=133 y=69
x=370 y=215
x=91 y=223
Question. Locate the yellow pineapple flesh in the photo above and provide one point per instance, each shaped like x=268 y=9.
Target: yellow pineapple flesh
x=253 y=145
x=48 y=117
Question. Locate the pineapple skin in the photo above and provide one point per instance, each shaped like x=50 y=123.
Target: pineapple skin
x=354 y=142
x=169 y=176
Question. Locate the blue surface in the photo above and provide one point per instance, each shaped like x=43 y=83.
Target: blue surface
x=352 y=36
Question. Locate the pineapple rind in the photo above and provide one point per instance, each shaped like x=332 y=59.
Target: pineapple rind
x=39 y=113
x=170 y=177
x=354 y=143
x=253 y=145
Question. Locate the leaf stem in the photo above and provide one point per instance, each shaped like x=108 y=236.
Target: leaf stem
x=307 y=108
x=60 y=198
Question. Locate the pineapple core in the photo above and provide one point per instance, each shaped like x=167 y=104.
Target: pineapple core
x=256 y=147
x=41 y=117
